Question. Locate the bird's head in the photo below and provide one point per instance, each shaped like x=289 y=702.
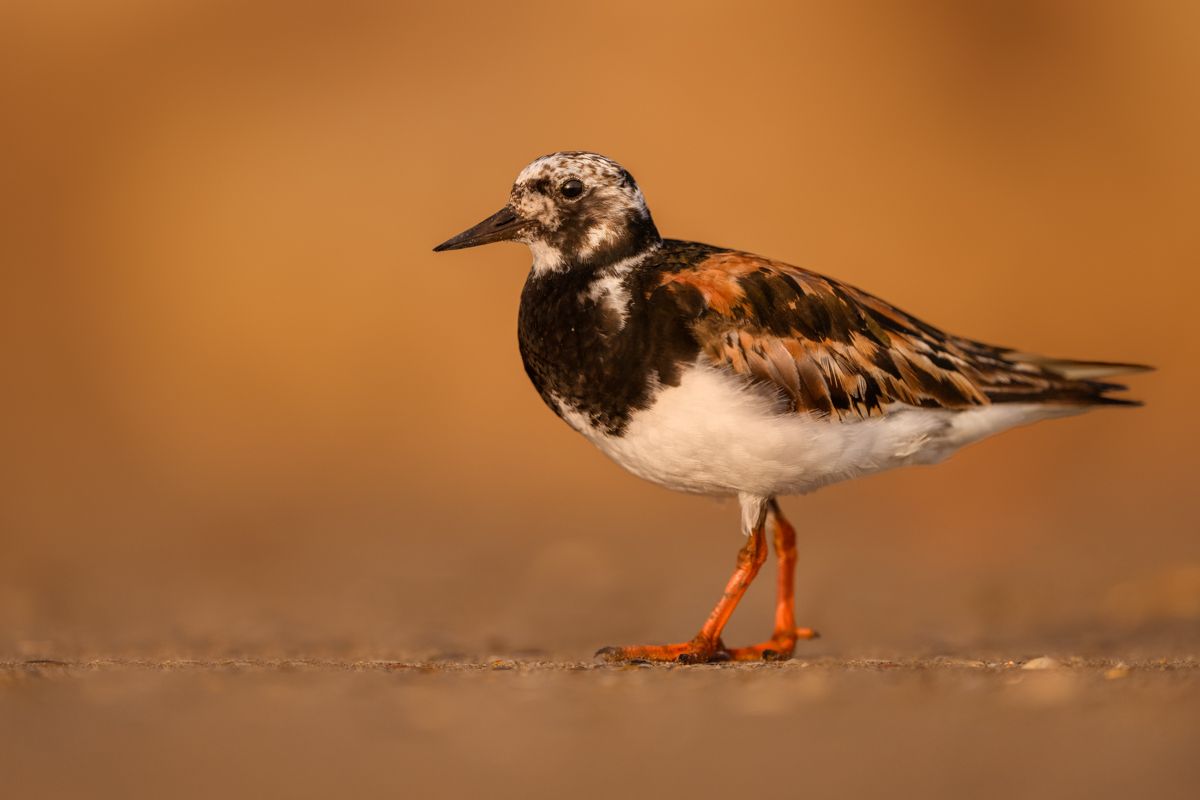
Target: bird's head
x=572 y=209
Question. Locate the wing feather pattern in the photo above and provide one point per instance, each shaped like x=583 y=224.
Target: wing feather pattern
x=838 y=351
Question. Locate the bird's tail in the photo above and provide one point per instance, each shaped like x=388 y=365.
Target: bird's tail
x=1075 y=370
x=1068 y=381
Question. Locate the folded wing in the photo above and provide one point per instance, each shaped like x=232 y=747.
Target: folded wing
x=838 y=351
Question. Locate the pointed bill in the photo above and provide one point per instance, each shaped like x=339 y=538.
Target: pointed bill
x=502 y=226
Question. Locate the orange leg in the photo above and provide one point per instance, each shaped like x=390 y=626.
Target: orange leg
x=783 y=640
x=707 y=645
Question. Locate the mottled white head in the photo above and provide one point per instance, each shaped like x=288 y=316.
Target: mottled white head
x=574 y=210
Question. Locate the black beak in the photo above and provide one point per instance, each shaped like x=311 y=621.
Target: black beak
x=502 y=226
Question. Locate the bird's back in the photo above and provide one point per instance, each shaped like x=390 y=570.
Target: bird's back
x=843 y=353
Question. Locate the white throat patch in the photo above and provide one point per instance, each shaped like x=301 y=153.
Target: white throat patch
x=545 y=258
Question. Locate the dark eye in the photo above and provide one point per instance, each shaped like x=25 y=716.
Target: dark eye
x=571 y=189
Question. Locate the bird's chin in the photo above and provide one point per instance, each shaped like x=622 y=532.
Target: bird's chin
x=546 y=257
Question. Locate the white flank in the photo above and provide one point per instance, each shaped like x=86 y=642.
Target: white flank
x=716 y=434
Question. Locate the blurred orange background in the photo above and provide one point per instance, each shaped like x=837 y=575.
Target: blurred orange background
x=247 y=409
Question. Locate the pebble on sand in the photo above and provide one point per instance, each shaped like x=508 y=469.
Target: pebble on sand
x=1043 y=662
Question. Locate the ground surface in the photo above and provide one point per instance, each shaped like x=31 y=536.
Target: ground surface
x=522 y=727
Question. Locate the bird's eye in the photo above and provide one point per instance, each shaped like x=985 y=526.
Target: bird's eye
x=571 y=189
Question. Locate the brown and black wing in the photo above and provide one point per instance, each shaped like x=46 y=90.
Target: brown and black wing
x=839 y=351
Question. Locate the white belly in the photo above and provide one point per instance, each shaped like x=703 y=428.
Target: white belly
x=716 y=434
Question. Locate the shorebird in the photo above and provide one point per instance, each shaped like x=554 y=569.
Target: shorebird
x=711 y=370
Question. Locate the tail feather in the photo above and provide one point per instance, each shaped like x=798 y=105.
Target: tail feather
x=1062 y=380
x=1076 y=370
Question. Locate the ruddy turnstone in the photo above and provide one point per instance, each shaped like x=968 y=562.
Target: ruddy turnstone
x=715 y=371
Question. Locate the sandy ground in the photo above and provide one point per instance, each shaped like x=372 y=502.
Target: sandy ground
x=500 y=726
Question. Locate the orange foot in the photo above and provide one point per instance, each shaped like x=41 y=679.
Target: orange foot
x=778 y=648
x=697 y=651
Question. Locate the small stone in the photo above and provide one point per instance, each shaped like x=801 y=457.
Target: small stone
x=1044 y=662
x=1117 y=671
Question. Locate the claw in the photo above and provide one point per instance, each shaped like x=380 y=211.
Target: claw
x=608 y=654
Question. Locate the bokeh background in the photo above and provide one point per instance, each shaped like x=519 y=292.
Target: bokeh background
x=246 y=409
x=248 y=415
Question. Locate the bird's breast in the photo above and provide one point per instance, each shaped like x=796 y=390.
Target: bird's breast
x=577 y=351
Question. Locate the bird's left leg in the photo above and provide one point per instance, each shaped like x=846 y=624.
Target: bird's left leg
x=783 y=639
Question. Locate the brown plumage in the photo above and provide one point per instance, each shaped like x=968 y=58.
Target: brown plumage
x=839 y=351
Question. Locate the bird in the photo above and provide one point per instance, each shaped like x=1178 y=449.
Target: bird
x=714 y=371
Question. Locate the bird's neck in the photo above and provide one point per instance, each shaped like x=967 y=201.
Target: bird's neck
x=596 y=248
x=638 y=237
